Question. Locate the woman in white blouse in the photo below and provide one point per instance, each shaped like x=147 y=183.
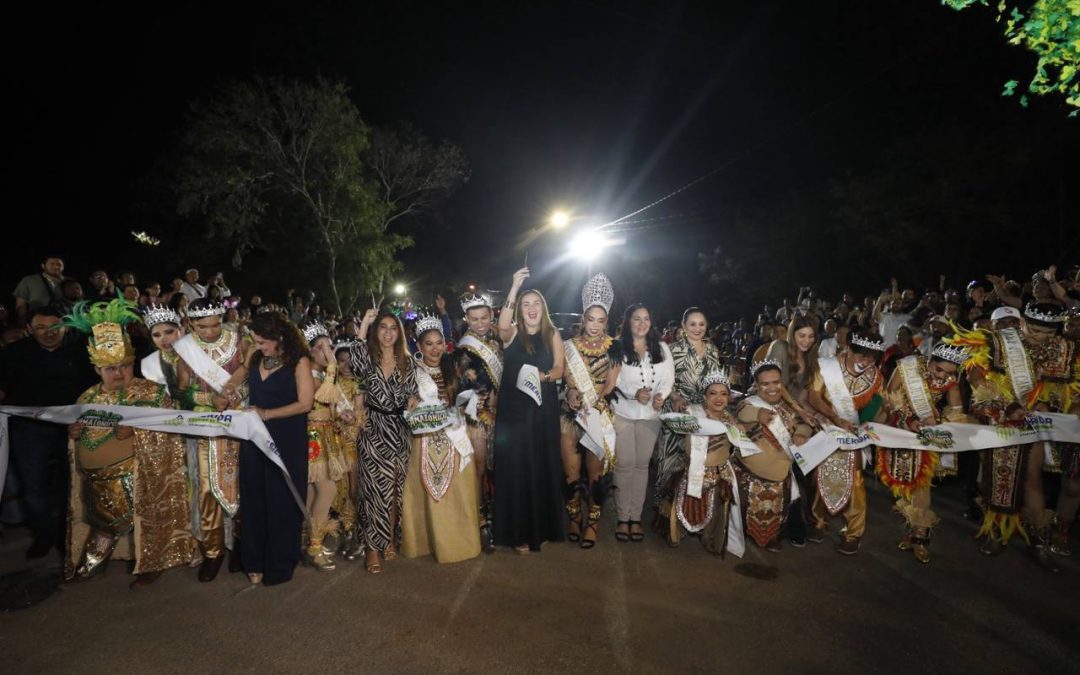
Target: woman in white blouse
x=645 y=381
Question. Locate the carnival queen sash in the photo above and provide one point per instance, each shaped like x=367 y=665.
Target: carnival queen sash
x=432 y=416
x=599 y=435
x=204 y=367
x=918 y=394
x=151 y=368
x=839 y=395
x=486 y=354
x=699 y=427
x=1016 y=362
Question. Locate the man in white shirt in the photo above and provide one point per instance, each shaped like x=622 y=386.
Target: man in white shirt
x=191 y=286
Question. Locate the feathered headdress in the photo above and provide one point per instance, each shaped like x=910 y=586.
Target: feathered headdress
x=104 y=321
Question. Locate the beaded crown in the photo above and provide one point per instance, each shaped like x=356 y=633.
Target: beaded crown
x=876 y=345
x=204 y=307
x=475 y=300
x=343 y=344
x=156 y=314
x=764 y=363
x=428 y=322
x=313 y=331
x=715 y=376
x=597 y=293
x=950 y=353
x=1033 y=312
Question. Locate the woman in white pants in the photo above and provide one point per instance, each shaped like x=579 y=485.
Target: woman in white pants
x=644 y=383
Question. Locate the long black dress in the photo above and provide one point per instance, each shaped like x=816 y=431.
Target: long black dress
x=270 y=520
x=528 y=469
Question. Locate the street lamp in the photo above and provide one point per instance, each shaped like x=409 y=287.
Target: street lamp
x=559 y=219
x=399 y=289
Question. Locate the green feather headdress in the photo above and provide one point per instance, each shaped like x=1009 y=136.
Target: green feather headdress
x=104 y=321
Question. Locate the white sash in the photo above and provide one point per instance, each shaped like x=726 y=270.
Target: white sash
x=425 y=385
x=151 y=368
x=1016 y=363
x=468 y=401
x=528 y=383
x=204 y=367
x=599 y=435
x=777 y=427
x=918 y=393
x=486 y=354
x=839 y=395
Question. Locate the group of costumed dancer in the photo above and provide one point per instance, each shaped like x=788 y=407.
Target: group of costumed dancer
x=515 y=438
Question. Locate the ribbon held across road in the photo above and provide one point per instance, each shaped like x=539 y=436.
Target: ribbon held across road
x=232 y=423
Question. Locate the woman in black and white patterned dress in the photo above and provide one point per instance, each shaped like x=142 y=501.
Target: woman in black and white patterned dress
x=382 y=364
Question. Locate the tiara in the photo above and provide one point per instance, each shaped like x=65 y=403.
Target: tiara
x=715 y=376
x=475 y=300
x=344 y=344
x=211 y=308
x=876 y=345
x=950 y=353
x=764 y=363
x=424 y=323
x=314 y=331
x=597 y=293
x=1032 y=313
x=156 y=314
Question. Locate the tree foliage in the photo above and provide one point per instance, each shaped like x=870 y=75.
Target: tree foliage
x=1050 y=29
x=290 y=169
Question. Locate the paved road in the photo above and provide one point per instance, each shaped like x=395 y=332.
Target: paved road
x=621 y=607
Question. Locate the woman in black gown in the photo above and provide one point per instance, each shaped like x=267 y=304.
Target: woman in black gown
x=528 y=470
x=281 y=392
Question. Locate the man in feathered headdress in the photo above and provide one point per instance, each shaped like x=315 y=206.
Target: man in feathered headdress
x=129 y=492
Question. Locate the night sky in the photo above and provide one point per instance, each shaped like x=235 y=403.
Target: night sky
x=602 y=107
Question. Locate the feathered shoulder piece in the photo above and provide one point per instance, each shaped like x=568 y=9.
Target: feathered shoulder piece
x=979 y=344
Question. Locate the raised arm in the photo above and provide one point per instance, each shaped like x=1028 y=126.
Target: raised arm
x=559 y=363
x=506 y=316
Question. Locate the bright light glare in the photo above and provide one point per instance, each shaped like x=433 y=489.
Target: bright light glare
x=399 y=289
x=588 y=245
x=559 y=219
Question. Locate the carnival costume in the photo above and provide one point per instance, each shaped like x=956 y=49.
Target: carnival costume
x=838 y=481
x=134 y=486
x=707 y=514
x=344 y=509
x=690 y=367
x=912 y=400
x=588 y=363
x=1004 y=381
x=439 y=515
x=326 y=460
x=213 y=462
x=479 y=360
x=766 y=485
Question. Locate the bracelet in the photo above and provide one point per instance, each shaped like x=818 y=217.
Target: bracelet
x=509 y=305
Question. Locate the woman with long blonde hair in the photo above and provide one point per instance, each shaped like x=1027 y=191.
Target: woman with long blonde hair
x=528 y=478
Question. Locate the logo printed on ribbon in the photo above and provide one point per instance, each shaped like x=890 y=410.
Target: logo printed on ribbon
x=100 y=418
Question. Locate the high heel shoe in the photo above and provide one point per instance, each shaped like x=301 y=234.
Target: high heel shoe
x=320 y=561
x=371 y=562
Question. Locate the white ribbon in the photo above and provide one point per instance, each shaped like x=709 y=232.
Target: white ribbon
x=468 y=400
x=425 y=385
x=528 y=382
x=776 y=427
x=232 y=423
x=944 y=438
x=486 y=354
x=204 y=367
x=839 y=395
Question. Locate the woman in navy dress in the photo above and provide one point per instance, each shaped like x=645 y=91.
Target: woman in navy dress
x=281 y=391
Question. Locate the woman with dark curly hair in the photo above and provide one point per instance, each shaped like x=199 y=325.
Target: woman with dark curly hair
x=281 y=392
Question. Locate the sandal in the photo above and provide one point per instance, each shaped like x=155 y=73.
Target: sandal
x=255 y=578
x=522 y=550
x=639 y=535
x=573 y=510
x=590 y=526
x=372 y=567
x=390 y=553
x=620 y=535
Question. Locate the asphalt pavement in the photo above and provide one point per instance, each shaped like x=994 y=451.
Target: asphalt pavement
x=620 y=607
